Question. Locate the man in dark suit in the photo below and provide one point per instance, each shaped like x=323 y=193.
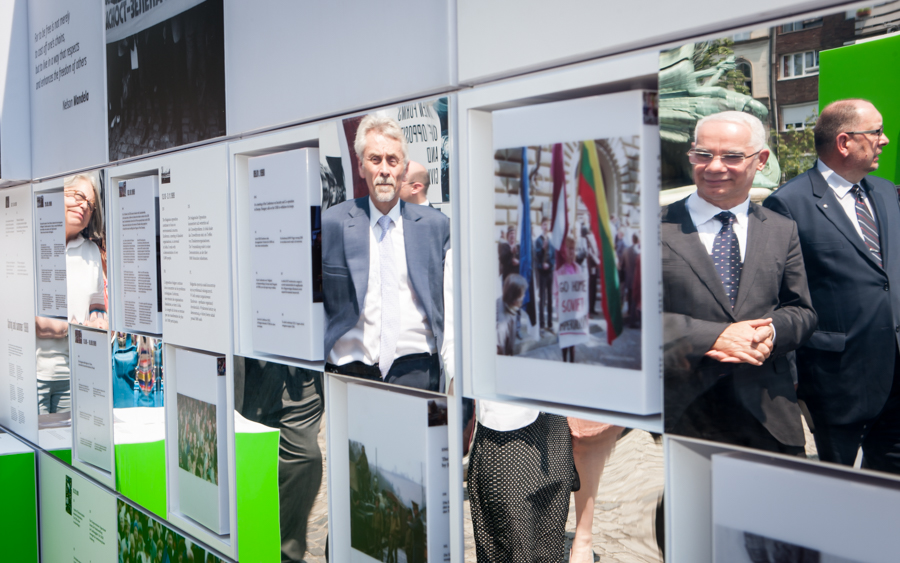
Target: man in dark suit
x=545 y=264
x=735 y=299
x=383 y=271
x=849 y=225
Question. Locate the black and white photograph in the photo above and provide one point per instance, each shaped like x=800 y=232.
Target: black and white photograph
x=165 y=74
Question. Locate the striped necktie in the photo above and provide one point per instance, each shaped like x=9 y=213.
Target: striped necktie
x=867 y=225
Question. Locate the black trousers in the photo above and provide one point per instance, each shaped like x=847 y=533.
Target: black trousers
x=420 y=371
x=879 y=436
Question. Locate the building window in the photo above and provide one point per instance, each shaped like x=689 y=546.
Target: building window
x=744 y=68
x=801 y=25
x=799 y=117
x=797 y=65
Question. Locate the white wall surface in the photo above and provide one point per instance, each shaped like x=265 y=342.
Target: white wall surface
x=15 y=105
x=288 y=61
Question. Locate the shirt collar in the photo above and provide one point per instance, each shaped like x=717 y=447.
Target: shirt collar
x=75 y=242
x=375 y=214
x=702 y=211
x=837 y=183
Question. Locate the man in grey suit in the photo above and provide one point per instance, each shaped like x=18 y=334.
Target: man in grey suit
x=383 y=271
x=735 y=297
x=849 y=226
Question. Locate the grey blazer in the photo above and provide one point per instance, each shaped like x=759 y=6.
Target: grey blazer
x=345 y=263
x=696 y=310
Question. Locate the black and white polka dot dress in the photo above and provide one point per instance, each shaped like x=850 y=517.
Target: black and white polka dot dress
x=519 y=484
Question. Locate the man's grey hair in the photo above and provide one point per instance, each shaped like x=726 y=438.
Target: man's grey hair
x=94 y=229
x=757 y=131
x=379 y=122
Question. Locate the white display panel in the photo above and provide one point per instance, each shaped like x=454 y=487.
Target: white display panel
x=397 y=453
x=77 y=518
x=846 y=518
x=15 y=92
x=428 y=54
x=68 y=101
x=285 y=194
x=199 y=472
x=91 y=398
x=18 y=384
x=139 y=253
x=195 y=245
x=592 y=140
x=50 y=215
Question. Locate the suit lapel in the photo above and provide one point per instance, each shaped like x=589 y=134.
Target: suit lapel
x=356 y=248
x=685 y=242
x=416 y=243
x=831 y=208
x=754 y=256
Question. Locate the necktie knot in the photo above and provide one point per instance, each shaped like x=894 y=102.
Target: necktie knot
x=726 y=217
x=384 y=222
x=858 y=192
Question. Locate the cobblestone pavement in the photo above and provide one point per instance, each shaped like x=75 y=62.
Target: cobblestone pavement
x=625 y=510
x=625 y=351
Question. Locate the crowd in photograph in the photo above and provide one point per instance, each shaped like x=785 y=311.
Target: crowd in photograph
x=197 y=451
x=143 y=539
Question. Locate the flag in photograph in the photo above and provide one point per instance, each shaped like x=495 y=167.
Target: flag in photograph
x=525 y=245
x=592 y=193
x=560 y=220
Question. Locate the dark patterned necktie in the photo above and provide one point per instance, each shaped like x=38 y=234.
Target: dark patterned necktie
x=726 y=255
x=867 y=224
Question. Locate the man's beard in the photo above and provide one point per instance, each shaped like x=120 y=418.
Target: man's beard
x=385 y=196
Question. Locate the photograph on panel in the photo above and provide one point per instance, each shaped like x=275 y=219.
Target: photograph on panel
x=386 y=246
x=737 y=546
x=280 y=450
x=143 y=538
x=399 y=477
x=285 y=247
x=780 y=205
x=165 y=74
x=139 y=425
x=200 y=464
x=569 y=267
x=539 y=486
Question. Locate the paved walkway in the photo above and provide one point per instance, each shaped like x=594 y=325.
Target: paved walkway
x=624 y=515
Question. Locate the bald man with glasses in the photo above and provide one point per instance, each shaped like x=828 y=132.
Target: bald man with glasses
x=735 y=299
x=849 y=226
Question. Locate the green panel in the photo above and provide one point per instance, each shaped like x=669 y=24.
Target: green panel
x=256 y=460
x=141 y=474
x=868 y=70
x=18 y=519
x=65 y=455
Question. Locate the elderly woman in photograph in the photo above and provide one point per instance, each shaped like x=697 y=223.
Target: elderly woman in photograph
x=85 y=289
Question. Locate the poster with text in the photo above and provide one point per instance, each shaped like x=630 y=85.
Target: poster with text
x=288 y=316
x=92 y=410
x=49 y=214
x=18 y=399
x=140 y=290
x=165 y=74
x=78 y=518
x=68 y=101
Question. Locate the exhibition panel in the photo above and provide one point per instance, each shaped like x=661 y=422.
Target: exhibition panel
x=288 y=62
x=620 y=295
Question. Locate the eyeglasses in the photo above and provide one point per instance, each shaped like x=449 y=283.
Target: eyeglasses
x=877 y=132
x=729 y=159
x=80 y=198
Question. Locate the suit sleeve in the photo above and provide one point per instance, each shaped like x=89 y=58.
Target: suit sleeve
x=687 y=340
x=794 y=320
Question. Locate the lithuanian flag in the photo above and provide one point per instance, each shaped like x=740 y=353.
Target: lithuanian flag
x=592 y=193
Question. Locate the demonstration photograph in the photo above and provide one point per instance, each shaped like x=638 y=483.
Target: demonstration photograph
x=165 y=74
x=198 y=453
x=568 y=276
x=142 y=538
x=137 y=365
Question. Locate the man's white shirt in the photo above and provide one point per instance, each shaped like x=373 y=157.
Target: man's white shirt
x=842 y=189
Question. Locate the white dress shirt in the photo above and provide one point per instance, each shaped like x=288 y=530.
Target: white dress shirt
x=363 y=342
x=703 y=214
x=842 y=189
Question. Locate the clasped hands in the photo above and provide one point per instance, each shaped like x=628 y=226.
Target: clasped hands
x=744 y=342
